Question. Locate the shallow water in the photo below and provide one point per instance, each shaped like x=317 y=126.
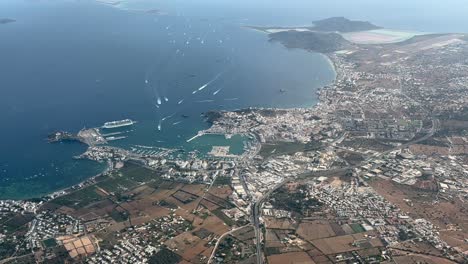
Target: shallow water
x=78 y=64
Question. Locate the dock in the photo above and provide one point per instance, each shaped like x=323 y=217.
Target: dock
x=91 y=137
x=199 y=134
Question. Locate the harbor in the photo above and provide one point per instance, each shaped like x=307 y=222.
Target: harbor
x=205 y=144
x=90 y=137
x=94 y=136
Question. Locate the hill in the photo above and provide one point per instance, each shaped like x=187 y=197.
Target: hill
x=313 y=41
x=343 y=25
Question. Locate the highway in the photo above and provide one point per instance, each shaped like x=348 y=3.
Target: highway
x=257 y=205
x=256 y=219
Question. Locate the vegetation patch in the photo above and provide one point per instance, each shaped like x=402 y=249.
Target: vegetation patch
x=48 y=243
x=118 y=216
x=286 y=148
x=164 y=256
x=357 y=228
x=296 y=201
x=221 y=180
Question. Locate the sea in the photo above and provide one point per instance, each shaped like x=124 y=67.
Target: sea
x=74 y=64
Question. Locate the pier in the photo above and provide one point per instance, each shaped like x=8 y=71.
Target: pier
x=199 y=134
x=91 y=137
x=207 y=132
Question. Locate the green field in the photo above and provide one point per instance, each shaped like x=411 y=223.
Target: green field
x=79 y=198
x=164 y=256
x=117 y=183
x=50 y=242
x=357 y=228
x=288 y=148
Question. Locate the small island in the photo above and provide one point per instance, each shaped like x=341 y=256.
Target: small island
x=6 y=21
x=334 y=34
x=323 y=36
x=333 y=24
x=342 y=25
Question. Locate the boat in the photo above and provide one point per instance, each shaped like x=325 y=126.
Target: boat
x=115 y=138
x=119 y=123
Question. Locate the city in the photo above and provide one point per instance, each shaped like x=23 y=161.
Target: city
x=376 y=172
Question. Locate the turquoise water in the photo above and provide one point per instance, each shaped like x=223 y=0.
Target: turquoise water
x=74 y=64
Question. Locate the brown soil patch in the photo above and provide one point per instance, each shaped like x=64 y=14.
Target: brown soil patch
x=290 y=258
x=315 y=230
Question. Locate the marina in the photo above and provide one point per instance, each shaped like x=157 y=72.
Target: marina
x=370 y=168
x=114 y=93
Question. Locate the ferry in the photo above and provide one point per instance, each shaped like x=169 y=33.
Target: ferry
x=115 y=138
x=119 y=123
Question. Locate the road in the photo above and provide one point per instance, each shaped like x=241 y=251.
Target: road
x=257 y=205
x=210 y=260
x=256 y=219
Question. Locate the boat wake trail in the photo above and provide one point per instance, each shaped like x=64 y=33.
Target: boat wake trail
x=167 y=117
x=209 y=83
x=205 y=101
x=217 y=91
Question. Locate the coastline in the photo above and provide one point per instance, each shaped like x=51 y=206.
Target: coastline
x=110 y=165
x=326 y=56
x=367 y=133
x=66 y=190
x=331 y=63
x=310 y=105
x=48 y=195
x=268 y=30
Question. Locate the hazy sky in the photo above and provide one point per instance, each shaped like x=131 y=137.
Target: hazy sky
x=421 y=15
x=429 y=15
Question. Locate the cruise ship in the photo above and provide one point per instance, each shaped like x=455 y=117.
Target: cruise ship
x=120 y=123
